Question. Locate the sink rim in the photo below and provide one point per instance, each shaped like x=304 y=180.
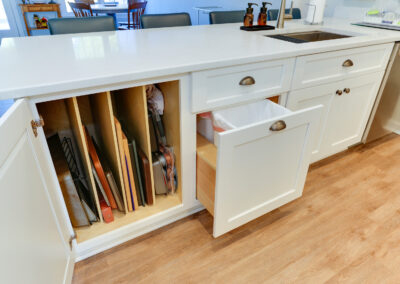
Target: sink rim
x=300 y=37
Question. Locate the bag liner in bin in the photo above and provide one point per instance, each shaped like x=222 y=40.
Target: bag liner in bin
x=243 y=115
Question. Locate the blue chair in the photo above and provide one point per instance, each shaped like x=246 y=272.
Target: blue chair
x=165 y=20
x=273 y=14
x=226 y=17
x=81 y=25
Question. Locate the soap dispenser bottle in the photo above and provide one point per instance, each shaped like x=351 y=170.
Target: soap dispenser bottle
x=249 y=17
x=262 y=17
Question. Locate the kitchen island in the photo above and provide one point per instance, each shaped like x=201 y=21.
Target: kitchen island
x=326 y=92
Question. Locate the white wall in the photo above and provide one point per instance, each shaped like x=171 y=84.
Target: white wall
x=352 y=9
x=355 y=9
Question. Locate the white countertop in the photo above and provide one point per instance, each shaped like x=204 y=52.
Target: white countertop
x=51 y=64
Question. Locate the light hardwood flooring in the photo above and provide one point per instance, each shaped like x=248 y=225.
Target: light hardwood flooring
x=345 y=229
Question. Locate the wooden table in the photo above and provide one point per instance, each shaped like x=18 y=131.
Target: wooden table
x=110 y=10
x=36 y=8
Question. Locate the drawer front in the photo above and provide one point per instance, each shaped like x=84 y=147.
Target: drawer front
x=259 y=170
x=216 y=88
x=322 y=68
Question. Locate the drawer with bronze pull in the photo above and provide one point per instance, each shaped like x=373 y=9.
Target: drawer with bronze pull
x=316 y=69
x=217 y=88
x=257 y=165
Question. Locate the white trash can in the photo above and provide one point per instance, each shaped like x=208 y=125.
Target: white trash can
x=244 y=115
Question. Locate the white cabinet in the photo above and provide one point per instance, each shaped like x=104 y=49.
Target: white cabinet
x=349 y=112
x=34 y=244
x=346 y=108
x=253 y=169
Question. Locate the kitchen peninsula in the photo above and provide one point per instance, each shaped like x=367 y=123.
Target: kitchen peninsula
x=326 y=89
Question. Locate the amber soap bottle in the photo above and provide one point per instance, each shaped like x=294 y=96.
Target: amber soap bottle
x=249 y=17
x=262 y=17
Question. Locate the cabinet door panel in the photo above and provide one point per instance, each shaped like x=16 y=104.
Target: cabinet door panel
x=302 y=99
x=259 y=170
x=350 y=112
x=33 y=245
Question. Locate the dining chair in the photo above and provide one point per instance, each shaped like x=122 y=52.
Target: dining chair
x=165 y=20
x=225 y=17
x=81 y=9
x=136 y=9
x=273 y=14
x=81 y=25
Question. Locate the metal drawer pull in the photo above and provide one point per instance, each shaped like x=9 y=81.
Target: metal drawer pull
x=247 y=81
x=348 y=63
x=278 y=126
x=339 y=92
x=347 y=90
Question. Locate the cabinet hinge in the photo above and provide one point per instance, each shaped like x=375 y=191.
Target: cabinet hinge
x=71 y=239
x=36 y=124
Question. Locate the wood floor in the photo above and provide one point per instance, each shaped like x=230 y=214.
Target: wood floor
x=345 y=229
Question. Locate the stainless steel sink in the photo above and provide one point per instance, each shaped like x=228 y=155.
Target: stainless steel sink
x=305 y=37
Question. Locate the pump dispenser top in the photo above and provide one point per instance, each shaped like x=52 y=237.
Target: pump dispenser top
x=262 y=17
x=249 y=17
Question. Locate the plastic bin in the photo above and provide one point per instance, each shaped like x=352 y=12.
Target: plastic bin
x=244 y=115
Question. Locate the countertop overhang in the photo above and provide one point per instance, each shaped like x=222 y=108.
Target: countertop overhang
x=43 y=65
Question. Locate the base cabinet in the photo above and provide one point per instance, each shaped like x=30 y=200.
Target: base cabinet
x=346 y=108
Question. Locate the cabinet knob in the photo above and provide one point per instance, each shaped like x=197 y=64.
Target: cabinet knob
x=348 y=63
x=346 y=90
x=339 y=92
x=278 y=126
x=247 y=81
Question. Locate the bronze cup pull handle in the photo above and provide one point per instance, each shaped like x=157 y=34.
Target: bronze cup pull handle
x=348 y=63
x=278 y=126
x=247 y=81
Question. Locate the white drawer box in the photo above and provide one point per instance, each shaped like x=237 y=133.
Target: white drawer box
x=255 y=168
x=216 y=88
x=323 y=68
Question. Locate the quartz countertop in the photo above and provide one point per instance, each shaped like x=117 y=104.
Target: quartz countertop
x=46 y=65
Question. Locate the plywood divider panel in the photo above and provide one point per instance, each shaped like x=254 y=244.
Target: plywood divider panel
x=206 y=173
x=131 y=105
x=103 y=116
x=172 y=122
x=55 y=117
x=77 y=129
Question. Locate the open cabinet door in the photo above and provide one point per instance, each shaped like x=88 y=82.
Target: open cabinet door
x=33 y=243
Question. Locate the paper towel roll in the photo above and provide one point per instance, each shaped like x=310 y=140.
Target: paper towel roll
x=315 y=14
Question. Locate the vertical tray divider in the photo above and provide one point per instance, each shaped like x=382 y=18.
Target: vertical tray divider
x=77 y=128
x=132 y=108
x=103 y=114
